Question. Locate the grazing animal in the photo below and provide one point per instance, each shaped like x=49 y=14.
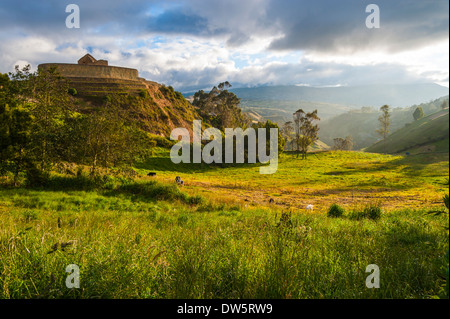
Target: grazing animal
x=151 y=174
x=271 y=201
x=179 y=181
x=310 y=207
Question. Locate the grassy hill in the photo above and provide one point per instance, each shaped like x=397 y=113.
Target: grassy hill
x=428 y=134
x=362 y=124
x=158 y=109
x=219 y=237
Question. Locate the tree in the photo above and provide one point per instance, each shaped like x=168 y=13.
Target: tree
x=385 y=121
x=221 y=108
x=444 y=105
x=343 y=144
x=106 y=137
x=15 y=131
x=45 y=95
x=418 y=113
x=287 y=131
x=306 y=131
x=268 y=125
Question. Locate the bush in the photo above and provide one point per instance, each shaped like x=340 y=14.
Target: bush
x=371 y=212
x=196 y=200
x=36 y=177
x=335 y=211
x=143 y=93
x=72 y=91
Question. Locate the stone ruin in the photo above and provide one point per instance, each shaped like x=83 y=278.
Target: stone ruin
x=92 y=77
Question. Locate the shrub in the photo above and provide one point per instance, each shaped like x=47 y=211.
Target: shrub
x=196 y=200
x=36 y=177
x=72 y=91
x=335 y=211
x=371 y=212
x=143 y=93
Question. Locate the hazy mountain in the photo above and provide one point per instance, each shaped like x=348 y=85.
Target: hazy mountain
x=356 y=96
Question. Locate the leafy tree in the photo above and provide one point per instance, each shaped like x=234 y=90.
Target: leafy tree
x=287 y=131
x=385 y=121
x=418 y=113
x=221 y=108
x=15 y=131
x=444 y=105
x=343 y=144
x=46 y=95
x=106 y=137
x=306 y=130
x=268 y=125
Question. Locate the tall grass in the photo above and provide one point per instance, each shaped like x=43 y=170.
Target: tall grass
x=130 y=247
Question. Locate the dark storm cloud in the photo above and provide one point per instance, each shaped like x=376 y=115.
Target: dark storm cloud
x=340 y=25
x=326 y=25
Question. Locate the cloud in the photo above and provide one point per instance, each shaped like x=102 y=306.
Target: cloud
x=339 y=26
x=198 y=43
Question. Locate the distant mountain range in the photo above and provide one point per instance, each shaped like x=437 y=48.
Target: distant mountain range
x=356 y=96
x=278 y=103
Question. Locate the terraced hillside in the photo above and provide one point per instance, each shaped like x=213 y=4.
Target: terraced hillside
x=157 y=108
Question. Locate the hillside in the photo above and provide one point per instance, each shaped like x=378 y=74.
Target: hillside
x=429 y=134
x=157 y=108
x=362 y=124
x=278 y=103
x=280 y=111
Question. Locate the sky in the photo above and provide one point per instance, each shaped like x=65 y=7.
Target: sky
x=196 y=44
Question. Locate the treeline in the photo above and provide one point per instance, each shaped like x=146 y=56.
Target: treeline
x=41 y=126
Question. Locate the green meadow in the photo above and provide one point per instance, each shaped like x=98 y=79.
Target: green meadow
x=219 y=237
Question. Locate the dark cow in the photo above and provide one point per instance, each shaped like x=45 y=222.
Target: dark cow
x=179 y=181
x=151 y=174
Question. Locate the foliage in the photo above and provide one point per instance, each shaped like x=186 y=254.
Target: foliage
x=343 y=144
x=372 y=211
x=306 y=131
x=335 y=211
x=385 y=121
x=220 y=108
x=418 y=113
x=72 y=91
x=267 y=126
x=40 y=127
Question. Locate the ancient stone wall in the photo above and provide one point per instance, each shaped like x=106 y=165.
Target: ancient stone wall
x=93 y=71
